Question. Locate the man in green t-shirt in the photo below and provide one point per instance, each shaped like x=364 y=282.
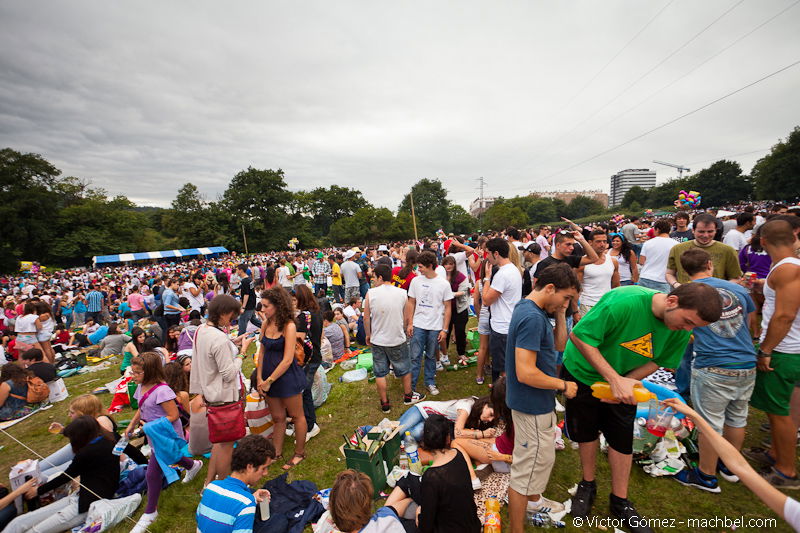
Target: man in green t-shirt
x=626 y=336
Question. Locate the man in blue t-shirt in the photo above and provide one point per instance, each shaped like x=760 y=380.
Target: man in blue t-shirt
x=724 y=371
x=170 y=301
x=531 y=386
x=228 y=505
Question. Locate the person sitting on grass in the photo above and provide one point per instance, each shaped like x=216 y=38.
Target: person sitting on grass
x=8 y=509
x=228 y=505
x=487 y=447
x=98 y=469
x=336 y=334
x=444 y=494
x=473 y=418
x=14 y=392
x=350 y=508
x=33 y=360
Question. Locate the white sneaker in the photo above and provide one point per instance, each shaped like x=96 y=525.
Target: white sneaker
x=290 y=430
x=439 y=366
x=144 y=522
x=193 y=471
x=313 y=432
x=433 y=390
x=445 y=360
x=559 y=407
x=545 y=505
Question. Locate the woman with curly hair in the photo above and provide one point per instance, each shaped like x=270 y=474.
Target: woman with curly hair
x=279 y=376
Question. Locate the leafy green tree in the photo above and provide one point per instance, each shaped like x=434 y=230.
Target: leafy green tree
x=541 y=210
x=501 y=215
x=430 y=206
x=461 y=222
x=634 y=194
x=722 y=183
x=327 y=205
x=258 y=199
x=28 y=198
x=561 y=208
x=367 y=225
x=583 y=206
x=777 y=175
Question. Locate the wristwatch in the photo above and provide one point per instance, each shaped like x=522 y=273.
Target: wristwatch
x=761 y=354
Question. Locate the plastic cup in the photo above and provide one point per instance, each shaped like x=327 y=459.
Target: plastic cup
x=263 y=507
x=659 y=418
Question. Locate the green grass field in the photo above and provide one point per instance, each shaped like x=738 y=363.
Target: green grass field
x=353 y=404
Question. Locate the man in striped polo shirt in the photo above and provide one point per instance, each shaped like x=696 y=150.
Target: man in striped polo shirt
x=94 y=304
x=228 y=505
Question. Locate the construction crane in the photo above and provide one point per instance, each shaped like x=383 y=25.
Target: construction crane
x=680 y=168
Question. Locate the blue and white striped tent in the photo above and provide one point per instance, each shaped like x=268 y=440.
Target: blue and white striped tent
x=163 y=254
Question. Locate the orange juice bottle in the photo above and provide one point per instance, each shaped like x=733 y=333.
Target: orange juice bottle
x=491 y=521
x=602 y=390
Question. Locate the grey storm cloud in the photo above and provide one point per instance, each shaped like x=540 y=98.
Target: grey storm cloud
x=143 y=97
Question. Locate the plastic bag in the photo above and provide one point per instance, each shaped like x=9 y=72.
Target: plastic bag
x=354 y=375
x=105 y=514
x=320 y=387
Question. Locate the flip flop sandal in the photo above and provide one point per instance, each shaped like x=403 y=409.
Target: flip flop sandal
x=291 y=464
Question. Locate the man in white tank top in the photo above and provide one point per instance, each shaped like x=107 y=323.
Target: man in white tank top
x=599 y=277
x=779 y=355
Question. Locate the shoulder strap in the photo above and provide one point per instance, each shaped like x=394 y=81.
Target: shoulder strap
x=147 y=394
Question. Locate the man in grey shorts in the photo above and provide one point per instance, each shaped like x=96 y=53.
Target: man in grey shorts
x=385 y=323
x=724 y=371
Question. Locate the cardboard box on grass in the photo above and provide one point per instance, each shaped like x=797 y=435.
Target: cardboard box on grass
x=22 y=472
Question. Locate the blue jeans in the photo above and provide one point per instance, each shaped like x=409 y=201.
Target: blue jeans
x=338 y=293
x=320 y=286
x=497 y=350
x=626 y=282
x=244 y=319
x=57 y=461
x=683 y=377
x=362 y=290
x=413 y=422
x=424 y=341
x=655 y=285
x=308 y=401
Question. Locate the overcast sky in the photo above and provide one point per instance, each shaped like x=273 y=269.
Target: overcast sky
x=141 y=97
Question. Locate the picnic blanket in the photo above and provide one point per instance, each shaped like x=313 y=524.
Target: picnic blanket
x=8 y=423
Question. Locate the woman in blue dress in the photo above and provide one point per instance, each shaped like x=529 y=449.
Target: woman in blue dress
x=280 y=378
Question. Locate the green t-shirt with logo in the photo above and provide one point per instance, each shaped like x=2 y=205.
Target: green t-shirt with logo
x=622 y=326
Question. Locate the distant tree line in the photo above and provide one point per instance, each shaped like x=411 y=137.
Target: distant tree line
x=62 y=220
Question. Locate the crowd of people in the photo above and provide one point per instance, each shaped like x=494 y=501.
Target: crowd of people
x=557 y=310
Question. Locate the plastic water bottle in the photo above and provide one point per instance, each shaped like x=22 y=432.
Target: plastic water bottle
x=119 y=447
x=410 y=445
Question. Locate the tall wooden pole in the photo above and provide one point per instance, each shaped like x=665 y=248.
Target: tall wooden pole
x=244 y=236
x=413 y=216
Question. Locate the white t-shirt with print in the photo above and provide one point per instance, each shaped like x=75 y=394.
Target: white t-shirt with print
x=508 y=282
x=430 y=295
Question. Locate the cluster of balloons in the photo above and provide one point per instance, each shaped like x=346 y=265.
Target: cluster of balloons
x=648 y=212
x=293 y=243
x=689 y=199
x=617 y=219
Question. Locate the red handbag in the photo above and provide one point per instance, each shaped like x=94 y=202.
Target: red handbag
x=226 y=421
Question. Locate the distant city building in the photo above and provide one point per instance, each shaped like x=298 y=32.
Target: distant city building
x=568 y=196
x=480 y=205
x=624 y=180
